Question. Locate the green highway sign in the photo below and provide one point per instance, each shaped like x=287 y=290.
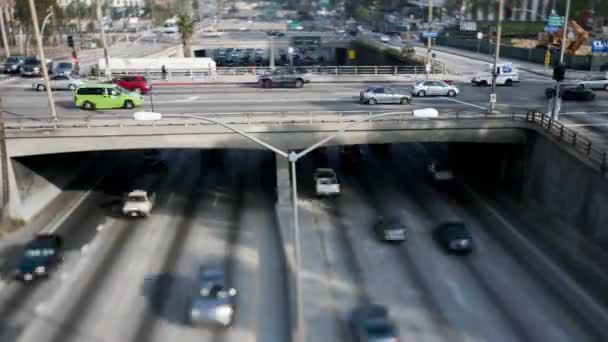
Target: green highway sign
x=311 y=41
x=555 y=20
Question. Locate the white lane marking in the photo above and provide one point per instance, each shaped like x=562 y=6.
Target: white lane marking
x=463 y=102
x=584 y=113
x=549 y=264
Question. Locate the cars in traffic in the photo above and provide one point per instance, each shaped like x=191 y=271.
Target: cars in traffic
x=63 y=68
x=572 y=93
x=440 y=171
x=213 y=301
x=133 y=83
x=434 y=88
x=454 y=237
x=283 y=77
x=371 y=323
x=13 y=64
x=105 y=96
x=326 y=182
x=138 y=203
x=31 y=66
x=390 y=230
x=506 y=74
x=385 y=94
x=59 y=82
x=39 y=256
x=595 y=82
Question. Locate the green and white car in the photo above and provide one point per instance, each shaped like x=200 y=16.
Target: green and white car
x=92 y=96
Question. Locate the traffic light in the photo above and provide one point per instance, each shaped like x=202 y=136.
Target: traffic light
x=508 y=11
x=559 y=72
x=71 y=41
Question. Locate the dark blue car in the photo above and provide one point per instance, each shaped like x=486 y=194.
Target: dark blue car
x=39 y=256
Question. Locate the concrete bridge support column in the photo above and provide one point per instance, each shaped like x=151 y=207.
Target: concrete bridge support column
x=284 y=215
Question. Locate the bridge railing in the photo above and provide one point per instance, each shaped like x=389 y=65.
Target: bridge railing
x=204 y=73
x=575 y=141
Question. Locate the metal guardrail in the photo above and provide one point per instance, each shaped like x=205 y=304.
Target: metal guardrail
x=359 y=70
x=562 y=134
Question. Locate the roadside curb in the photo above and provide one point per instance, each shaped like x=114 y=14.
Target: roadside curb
x=287 y=241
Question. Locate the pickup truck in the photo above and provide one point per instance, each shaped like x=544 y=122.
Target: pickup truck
x=326 y=182
x=138 y=203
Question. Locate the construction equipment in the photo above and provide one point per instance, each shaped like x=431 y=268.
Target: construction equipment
x=580 y=37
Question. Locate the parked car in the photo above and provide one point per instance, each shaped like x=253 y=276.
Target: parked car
x=390 y=229
x=425 y=88
x=385 y=94
x=63 y=68
x=282 y=77
x=371 y=323
x=13 y=64
x=133 y=83
x=454 y=237
x=31 y=67
x=105 y=96
x=213 y=300
x=326 y=182
x=39 y=256
x=61 y=81
x=572 y=93
x=440 y=171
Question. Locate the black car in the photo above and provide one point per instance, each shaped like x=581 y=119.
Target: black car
x=454 y=237
x=371 y=323
x=32 y=66
x=390 y=229
x=13 y=64
x=39 y=256
x=275 y=33
x=573 y=93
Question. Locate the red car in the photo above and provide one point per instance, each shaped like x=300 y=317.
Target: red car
x=133 y=83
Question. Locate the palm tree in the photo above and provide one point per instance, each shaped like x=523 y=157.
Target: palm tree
x=185 y=24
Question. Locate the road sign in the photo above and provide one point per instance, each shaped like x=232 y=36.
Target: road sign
x=492 y=98
x=551 y=29
x=429 y=34
x=468 y=26
x=555 y=20
x=301 y=41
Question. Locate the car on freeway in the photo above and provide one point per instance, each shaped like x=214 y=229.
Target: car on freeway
x=385 y=94
x=572 y=93
x=105 y=96
x=595 y=82
x=326 y=182
x=390 y=230
x=283 y=77
x=40 y=255
x=63 y=68
x=435 y=88
x=133 y=83
x=213 y=301
x=275 y=33
x=440 y=171
x=454 y=237
x=371 y=323
x=61 y=81
x=31 y=67
x=13 y=64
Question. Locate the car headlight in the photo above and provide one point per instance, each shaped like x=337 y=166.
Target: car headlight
x=14 y=66
x=36 y=69
x=40 y=269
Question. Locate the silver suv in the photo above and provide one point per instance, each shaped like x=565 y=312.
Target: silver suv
x=386 y=94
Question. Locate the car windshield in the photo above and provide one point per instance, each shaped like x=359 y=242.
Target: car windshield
x=379 y=329
x=325 y=174
x=31 y=60
x=457 y=230
x=12 y=60
x=138 y=198
x=33 y=253
x=64 y=65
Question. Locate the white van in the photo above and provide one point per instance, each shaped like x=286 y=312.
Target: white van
x=507 y=74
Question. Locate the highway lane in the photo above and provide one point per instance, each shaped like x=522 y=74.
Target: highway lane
x=432 y=296
x=20 y=100
x=137 y=283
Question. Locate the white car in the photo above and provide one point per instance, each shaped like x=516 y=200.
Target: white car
x=439 y=88
x=326 y=182
x=63 y=82
x=594 y=82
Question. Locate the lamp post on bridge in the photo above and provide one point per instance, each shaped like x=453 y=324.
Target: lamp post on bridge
x=292 y=157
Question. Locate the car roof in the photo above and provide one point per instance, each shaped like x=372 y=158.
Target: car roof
x=211 y=273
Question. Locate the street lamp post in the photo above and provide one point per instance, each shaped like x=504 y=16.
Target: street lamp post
x=108 y=71
x=501 y=5
x=557 y=98
x=292 y=157
x=45 y=71
x=429 y=52
x=45 y=21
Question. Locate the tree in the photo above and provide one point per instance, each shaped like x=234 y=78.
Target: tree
x=185 y=24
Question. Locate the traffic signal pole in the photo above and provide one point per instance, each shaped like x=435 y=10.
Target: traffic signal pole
x=557 y=97
x=501 y=6
x=429 y=54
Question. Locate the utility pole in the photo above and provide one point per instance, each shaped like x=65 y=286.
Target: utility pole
x=4 y=161
x=557 y=99
x=45 y=71
x=7 y=50
x=429 y=66
x=501 y=5
x=108 y=71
